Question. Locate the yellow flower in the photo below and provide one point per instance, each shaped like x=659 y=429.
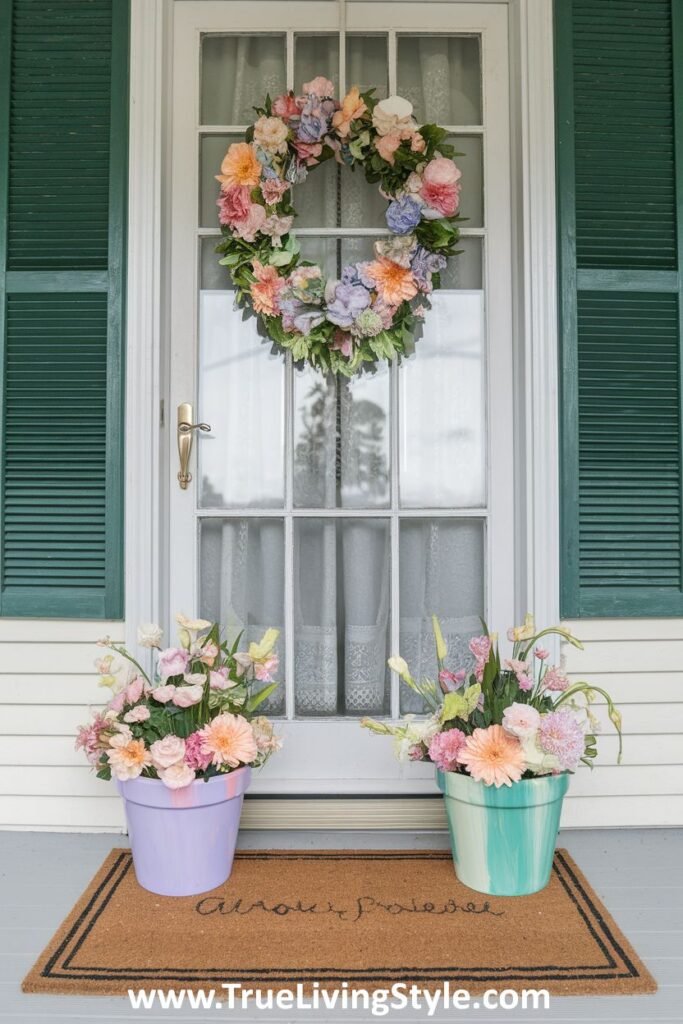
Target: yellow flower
x=524 y=632
x=261 y=650
x=240 y=166
x=352 y=107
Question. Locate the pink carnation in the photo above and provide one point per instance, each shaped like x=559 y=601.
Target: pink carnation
x=560 y=734
x=90 y=738
x=273 y=189
x=445 y=748
x=521 y=670
x=194 y=757
x=234 y=204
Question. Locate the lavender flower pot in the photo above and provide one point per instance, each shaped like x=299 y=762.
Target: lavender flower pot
x=183 y=840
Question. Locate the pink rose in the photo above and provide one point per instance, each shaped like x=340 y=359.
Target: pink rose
x=320 y=86
x=251 y=225
x=233 y=204
x=138 y=714
x=167 y=751
x=177 y=776
x=441 y=187
x=188 y=696
x=163 y=693
x=172 y=662
x=285 y=106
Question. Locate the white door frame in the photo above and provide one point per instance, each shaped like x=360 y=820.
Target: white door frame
x=535 y=383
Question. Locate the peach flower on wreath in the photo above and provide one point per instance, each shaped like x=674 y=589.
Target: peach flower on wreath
x=320 y=86
x=240 y=166
x=252 y=224
x=266 y=289
x=352 y=107
x=493 y=757
x=270 y=133
x=395 y=284
x=229 y=740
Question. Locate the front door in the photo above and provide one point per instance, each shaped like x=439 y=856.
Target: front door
x=343 y=512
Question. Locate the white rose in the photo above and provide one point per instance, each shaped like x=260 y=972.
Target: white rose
x=177 y=776
x=149 y=634
x=168 y=751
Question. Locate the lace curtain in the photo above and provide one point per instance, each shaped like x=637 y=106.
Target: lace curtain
x=341 y=582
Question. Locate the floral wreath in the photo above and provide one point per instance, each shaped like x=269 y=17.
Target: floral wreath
x=374 y=309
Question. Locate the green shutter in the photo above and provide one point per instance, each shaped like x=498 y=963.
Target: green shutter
x=620 y=195
x=63 y=129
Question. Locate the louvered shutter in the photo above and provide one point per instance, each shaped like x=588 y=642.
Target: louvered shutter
x=63 y=126
x=619 y=94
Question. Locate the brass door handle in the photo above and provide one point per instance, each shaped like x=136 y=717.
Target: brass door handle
x=184 y=433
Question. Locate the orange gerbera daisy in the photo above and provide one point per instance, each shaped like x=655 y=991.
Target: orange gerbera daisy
x=493 y=756
x=394 y=283
x=240 y=166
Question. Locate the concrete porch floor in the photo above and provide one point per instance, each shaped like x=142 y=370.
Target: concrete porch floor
x=638 y=874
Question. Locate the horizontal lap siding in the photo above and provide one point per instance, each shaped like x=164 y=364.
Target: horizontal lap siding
x=47 y=686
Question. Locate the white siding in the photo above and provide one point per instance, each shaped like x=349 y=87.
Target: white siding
x=640 y=663
x=47 y=686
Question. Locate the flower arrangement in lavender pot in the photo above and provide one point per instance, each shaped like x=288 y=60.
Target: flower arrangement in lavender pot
x=181 y=745
x=505 y=740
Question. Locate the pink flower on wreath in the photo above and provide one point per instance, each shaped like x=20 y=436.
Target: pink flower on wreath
x=266 y=289
x=194 y=757
x=320 y=86
x=441 y=186
x=342 y=342
x=445 y=747
x=480 y=646
x=386 y=145
x=273 y=189
x=286 y=106
x=249 y=227
x=234 y=204
x=308 y=152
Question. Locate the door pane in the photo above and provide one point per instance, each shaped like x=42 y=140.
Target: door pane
x=441 y=407
x=441 y=76
x=242 y=572
x=471 y=163
x=341 y=440
x=341 y=613
x=235 y=70
x=442 y=573
x=316 y=55
x=241 y=395
x=367 y=64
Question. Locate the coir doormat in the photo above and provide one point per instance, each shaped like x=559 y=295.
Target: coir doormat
x=367 y=917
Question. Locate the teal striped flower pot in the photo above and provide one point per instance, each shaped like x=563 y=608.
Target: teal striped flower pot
x=503 y=840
